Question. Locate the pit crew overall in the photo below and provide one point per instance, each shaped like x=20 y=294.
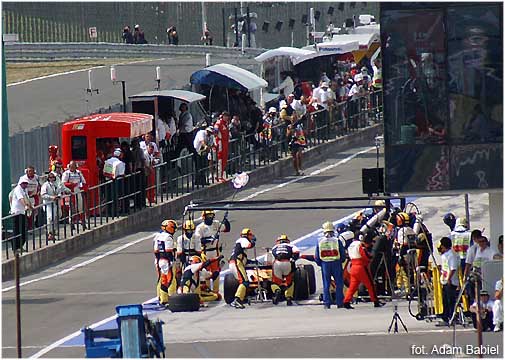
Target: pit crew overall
x=222 y=140
x=285 y=255
x=164 y=252
x=359 y=271
x=329 y=251
x=237 y=262
x=206 y=234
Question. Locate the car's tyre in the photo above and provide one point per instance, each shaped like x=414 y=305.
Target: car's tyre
x=301 y=284
x=230 y=288
x=183 y=302
x=311 y=273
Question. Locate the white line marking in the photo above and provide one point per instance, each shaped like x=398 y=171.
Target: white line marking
x=76 y=71
x=371 y=333
x=80 y=265
x=77 y=333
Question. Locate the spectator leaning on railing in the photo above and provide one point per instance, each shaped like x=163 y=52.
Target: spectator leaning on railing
x=51 y=192
x=21 y=207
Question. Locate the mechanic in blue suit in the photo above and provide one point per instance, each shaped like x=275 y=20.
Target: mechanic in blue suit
x=329 y=255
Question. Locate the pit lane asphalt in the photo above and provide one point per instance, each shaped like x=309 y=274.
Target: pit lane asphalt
x=57 y=307
x=60 y=98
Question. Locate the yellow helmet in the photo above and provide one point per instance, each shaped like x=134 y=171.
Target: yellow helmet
x=208 y=213
x=328 y=227
x=203 y=257
x=283 y=238
x=246 y=232
x=188 y=225
x=402 y=219
x=380 y=203
x=169 y=226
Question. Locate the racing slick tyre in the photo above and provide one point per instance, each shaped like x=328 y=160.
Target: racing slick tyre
x=301 y=284
x=312 y=277
x=230 y=286
x=183 y=302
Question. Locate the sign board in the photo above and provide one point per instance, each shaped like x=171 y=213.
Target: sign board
x=92 y=32
x=9 y=38
x=442 y=96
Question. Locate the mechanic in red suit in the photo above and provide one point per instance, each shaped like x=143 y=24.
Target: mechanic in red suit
x=53 y=157
x=222 y=143
x=359 y=253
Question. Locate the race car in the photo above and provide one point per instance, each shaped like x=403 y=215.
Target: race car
x=259 y=273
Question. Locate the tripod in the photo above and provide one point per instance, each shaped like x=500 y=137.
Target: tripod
x=387 y=279
x=394 y=321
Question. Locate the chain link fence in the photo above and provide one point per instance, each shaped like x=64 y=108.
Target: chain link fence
x=69 y=22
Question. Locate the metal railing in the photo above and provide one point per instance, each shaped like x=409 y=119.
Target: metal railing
x=103 y=203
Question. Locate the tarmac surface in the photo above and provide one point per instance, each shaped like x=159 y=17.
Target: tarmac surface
x=63 y=97
x=122 y=272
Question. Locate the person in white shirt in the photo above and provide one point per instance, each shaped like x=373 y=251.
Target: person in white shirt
x=51 y=191
x=147 y=140
x=114 y=169
x=204 y=143
x=486 y=312
x=498 y=306
x=287 y=86
x=20 y=206
x=300 y=106
x=75 y=181
x=479 y=253
x=448 y=278
x=326 y=96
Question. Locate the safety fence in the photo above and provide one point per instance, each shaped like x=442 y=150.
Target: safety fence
x=72 y=213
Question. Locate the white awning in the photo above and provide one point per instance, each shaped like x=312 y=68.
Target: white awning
x=227 y=75
x=282 y=51
x=329 y=48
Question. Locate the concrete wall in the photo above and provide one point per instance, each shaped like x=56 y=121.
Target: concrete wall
x=34 y=261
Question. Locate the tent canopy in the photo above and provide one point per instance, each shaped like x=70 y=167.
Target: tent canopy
x=283 y=51
x=228 y=76
x=183 y=95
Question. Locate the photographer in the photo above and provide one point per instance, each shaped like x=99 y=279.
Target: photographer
x=448 y=279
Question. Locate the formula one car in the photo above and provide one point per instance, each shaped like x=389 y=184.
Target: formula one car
x=259 y=273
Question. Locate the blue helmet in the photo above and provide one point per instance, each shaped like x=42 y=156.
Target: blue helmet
x=450 y=220
x=341 y=227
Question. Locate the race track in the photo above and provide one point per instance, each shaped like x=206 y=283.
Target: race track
x=56 y=307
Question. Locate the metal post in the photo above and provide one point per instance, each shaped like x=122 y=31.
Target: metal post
x=124 y=95
x=467 y=210
x=479 y=319
x=18 y=303
x=249 y=28
x=224 y=27
x=236 y=27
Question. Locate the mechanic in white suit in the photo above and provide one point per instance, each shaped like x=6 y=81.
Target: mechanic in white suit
x=237 y=263
x=164 y=248
x=207 y=233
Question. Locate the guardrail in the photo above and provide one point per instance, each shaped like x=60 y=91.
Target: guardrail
x=51 y=51
x=100 y=204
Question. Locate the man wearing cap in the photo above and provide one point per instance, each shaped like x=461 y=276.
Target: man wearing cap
x=461 y=239
x=448 y=278
x=113 y=169
x=204 y=143
x=270 y=125
x=138 y=35
x=486 y=312
x=21 y=206
x=326 y=96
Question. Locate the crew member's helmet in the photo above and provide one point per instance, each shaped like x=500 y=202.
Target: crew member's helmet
x=402 y=219
x=341 y=227
x=450 y=220
x=203 y=257
x=380 y=203
x=195 y=259
x=283 y=238
x=188 y=225
x=328 y=227
x=169 y=226
x=461 y=221
x=208 y=213
x=246 y=232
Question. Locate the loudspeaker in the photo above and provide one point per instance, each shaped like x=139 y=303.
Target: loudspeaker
x=372 y=180
x=278 y=26
x=305 y=19
x=330 y=10
x=291 y=23
x=341 y=6
x=265 y=26
x=317 y=15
